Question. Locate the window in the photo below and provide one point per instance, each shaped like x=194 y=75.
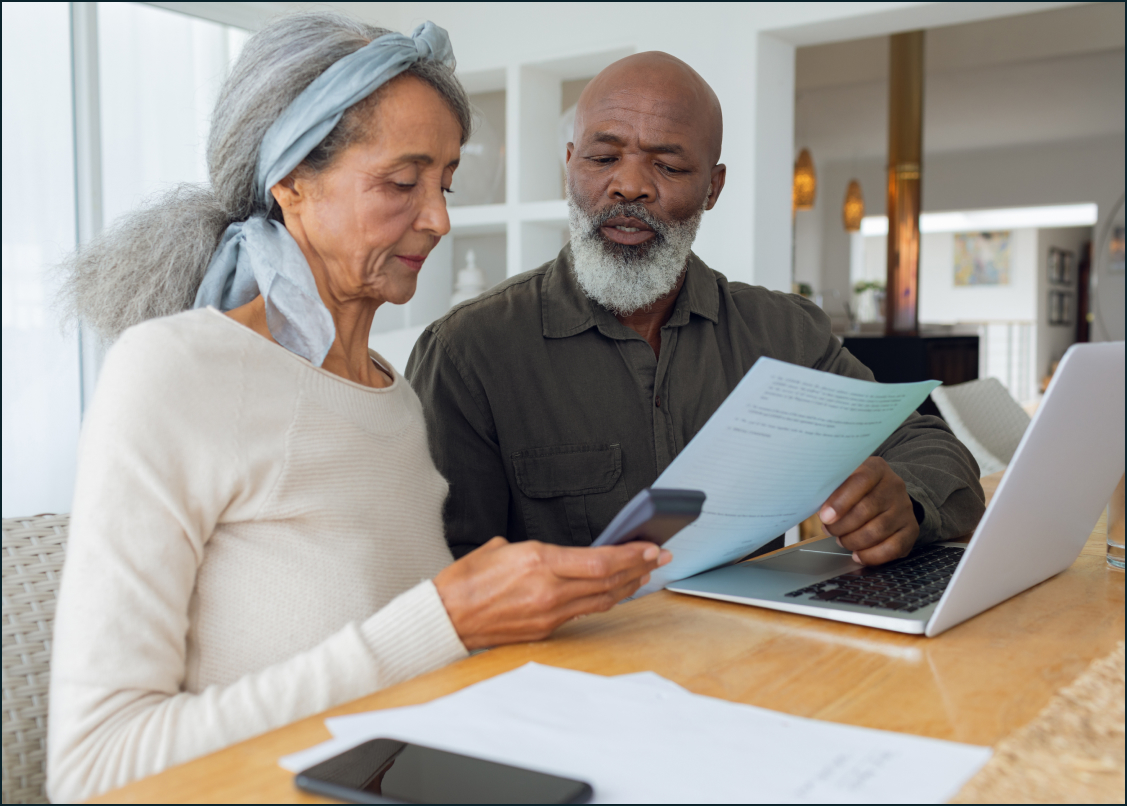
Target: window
x=159 y=74
x=40 y=365
x=159 y=77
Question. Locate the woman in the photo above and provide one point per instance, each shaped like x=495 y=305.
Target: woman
x=256 y=533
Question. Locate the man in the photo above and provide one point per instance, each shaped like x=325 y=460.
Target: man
x=562 y=392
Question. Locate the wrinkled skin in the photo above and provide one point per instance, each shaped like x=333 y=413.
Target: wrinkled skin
x=366 y=225
x=648 y=130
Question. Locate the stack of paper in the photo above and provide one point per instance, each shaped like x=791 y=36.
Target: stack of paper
x=769 y=457
x=643 y=739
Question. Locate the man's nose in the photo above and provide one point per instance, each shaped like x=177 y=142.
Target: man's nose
x=632 y=183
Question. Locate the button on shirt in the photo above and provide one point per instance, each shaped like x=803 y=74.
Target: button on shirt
x=546 y=414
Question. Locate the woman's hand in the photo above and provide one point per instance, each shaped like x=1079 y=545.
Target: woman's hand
x=504 y=593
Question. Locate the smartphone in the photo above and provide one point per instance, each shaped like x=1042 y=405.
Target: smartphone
x=390 y=771
x=654 y=515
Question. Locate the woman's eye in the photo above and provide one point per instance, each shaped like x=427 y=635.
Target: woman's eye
x=405 y=185
x=448 y=190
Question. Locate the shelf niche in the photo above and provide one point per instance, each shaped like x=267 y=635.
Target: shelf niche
x=480 y=179
x=524 y=224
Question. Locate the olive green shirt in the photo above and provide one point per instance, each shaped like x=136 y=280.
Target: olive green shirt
x=546 y=414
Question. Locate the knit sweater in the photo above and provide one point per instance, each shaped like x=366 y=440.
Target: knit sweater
x=252 y=541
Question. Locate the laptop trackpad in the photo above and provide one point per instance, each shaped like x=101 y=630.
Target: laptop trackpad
x=772 y=577
x=809 y=563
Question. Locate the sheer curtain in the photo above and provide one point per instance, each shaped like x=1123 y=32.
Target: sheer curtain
x=40 y=364
x=159 y=75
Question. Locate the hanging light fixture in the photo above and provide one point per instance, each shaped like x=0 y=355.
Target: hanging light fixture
x=853 y=210
x=805 y=182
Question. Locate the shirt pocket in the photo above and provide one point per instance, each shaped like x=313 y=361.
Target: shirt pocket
x=569 y=493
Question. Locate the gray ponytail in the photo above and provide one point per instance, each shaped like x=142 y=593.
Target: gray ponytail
x=151 y=262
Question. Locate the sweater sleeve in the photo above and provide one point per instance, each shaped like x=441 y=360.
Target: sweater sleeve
x=157 y=471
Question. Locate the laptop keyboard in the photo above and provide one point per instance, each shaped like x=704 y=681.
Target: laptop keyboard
x=905 y=585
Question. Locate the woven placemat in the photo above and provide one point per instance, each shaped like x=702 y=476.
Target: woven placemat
x=1071 y=753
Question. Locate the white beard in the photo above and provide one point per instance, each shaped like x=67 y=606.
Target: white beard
x=624 y=279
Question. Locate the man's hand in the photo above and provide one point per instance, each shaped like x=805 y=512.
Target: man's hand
x=871 y=514
x=506 y=592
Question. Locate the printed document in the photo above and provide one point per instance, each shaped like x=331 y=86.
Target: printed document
x=640 y=738
x=769 y=457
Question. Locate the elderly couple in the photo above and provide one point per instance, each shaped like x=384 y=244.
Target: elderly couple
x=267 y=515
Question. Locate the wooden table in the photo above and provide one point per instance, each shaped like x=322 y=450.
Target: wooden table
x=975 y=683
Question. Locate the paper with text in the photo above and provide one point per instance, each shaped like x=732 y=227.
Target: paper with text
x=769 y=457
x=644 y=739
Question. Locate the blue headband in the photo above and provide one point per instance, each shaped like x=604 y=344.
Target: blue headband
x=258 y=256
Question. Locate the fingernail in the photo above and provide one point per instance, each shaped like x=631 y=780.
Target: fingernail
x=857 y=559
x=838 y=541
x=666 y=558
x=645 y=580
x=651 y=553
x=828 y=515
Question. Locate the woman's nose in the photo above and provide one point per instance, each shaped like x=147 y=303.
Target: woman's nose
x=433 y=216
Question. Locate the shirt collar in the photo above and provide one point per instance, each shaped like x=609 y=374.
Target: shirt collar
x=567 y=311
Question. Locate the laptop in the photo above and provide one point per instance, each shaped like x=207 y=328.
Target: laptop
x=1059 y=480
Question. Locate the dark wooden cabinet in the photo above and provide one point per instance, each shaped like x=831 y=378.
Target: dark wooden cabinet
x=904 y=359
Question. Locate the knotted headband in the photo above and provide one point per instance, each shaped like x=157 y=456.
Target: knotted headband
x=258 y=256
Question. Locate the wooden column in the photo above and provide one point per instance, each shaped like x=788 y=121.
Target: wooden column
x=905 y=151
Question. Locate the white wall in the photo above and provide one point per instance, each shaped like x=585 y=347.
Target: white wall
x=1070 y=172
x=1019 y=343
x=943 y=302
x=1053 y=340
x=745 y=51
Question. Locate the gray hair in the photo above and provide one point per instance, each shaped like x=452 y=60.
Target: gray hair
x=151 y=262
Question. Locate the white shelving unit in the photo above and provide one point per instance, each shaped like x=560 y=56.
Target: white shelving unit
x=528 y=224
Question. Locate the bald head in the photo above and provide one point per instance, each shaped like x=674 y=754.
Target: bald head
x=657 y=85
x=642 y=170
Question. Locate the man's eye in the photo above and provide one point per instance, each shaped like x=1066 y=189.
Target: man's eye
x=670 y=170
x=601 y=160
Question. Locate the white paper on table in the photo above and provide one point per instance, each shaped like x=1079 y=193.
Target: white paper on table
x=769 y=457
x=637 y=741
x=345 y=738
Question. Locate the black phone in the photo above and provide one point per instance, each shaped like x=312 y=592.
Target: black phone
x=654 y=514
x=390 y=771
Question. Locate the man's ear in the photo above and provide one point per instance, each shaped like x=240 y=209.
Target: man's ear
x=570 y=148
x=716 y=184
x=286 y=194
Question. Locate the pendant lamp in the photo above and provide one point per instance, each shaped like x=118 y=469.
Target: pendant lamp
x=853 y=210
x=805 y=182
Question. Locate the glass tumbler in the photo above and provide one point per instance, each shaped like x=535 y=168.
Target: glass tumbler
x=1115 y=528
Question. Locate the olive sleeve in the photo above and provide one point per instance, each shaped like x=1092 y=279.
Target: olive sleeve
x=463 y=444
x=941 y=475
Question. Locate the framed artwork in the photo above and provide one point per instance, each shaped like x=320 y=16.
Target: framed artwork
x=1062 y=266
x=982 y=258
x=1062 y=304
x=1067 y=267
x=1054 y=265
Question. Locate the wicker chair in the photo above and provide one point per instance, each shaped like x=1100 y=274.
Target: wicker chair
x=985 y=418
x=34 y=549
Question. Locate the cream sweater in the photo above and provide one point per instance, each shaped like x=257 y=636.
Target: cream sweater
x=252 y=541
